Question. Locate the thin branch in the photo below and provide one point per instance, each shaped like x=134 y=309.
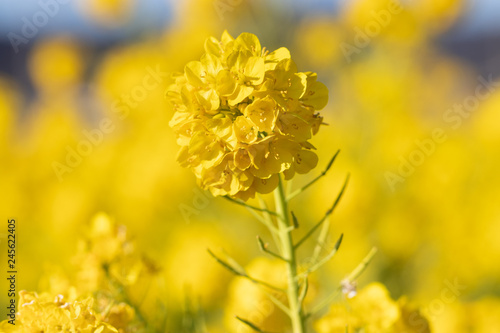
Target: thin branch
x=303 y=292
x=226 y=265
x=328 y=213
x=325 y=259
x=289 y=185
x=362 y=265
x=264 y=248
x=323 y=173
x=320 y=244
x=277 y=302
x=274 y=230
x=351 y=277
x=329 y=299
x=265 y=220
x=250 y=324
x=250 y=206
x=242 y=273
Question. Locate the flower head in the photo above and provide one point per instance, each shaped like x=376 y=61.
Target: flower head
x=244 y=115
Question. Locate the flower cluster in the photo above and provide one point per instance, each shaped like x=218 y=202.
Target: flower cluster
x=109 y=292
x=244 y=115
x=373 y=310
x=55 y=314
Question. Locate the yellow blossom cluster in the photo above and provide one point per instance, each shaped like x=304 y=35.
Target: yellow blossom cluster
x=108 y=293
x=244 y=115
x=43 y=313
x=374 y=311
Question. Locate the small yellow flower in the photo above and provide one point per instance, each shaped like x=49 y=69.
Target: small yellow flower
x=244 y=115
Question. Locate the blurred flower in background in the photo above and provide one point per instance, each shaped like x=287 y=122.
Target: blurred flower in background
x=414 y=98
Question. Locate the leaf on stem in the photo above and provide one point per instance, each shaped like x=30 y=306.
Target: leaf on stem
x=323 y=173
x=303 y=291
x=264 y=248
x=362 y=265
x=249 y=324
x=295 y=221
x=325 y=259
x=250 y=206
x=320 y=244
x=239 y=271
x=226 y=265
x=351 y=277
x=328 y=213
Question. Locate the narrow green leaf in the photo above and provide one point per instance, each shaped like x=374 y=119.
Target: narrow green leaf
x=323 y=173
x=226 y=265
x=242 y=273
x=241 y=203
x=328 y=213
x=303 y=292
x=249 y=324
x=362 y=265
x=295 y=221
x=264 y=248
x=325 y=259
x=351 y=277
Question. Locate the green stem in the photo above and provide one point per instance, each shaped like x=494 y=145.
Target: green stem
x=288 y=253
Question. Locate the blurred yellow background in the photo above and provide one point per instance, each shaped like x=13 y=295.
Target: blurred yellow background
x=84 y=131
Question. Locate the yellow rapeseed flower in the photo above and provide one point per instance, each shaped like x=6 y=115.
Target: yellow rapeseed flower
x=243 y=115
x=43 y=313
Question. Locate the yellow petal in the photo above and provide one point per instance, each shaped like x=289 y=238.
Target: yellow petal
x=211 y=63
x=248 y=41
x=242 y=159
x=273 y=58
x=255 y=70
x=283 y=72
x=207 y=148
x=226 y=38
x=316 y=96
x=193 y=72
x=265 y=186
x=212 y=46
x=305 y=161
x=183 y=157
x=289 y=173
x=208 y=99
x=263 y=113
x=245 y=130
x=295 y=126
x=221 y=127
x=225 y=83
x=298 y=84
x=240 y=94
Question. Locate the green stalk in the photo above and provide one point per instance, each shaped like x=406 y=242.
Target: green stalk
x=288 y=252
